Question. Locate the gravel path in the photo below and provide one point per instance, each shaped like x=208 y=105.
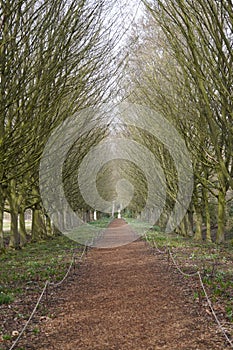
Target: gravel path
x=125 y=298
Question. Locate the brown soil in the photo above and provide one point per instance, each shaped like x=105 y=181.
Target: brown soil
x=125 y=298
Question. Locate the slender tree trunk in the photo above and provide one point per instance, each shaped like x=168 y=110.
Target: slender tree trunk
x=38 y=224
x=162 y=221
x=188 y=224
x=54 y=223
x=61 y=220
x=67 y=221
x=2 y=201
x=88 y=216
x=84 y=215
x=190 y=219
x=221 y=216
x=48 y=225
x=113 y=209
x=220 y=237
x=1 y=229
x=13 y=202
x=22 y=228
x=198 y=231
x=198 y=215
x=14 y=238
x=181 y=229
x=2 y=127
x=91 y=215
x=207 y=215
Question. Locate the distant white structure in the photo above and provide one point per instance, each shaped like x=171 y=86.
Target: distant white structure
x=119 y=214
x=95 y=215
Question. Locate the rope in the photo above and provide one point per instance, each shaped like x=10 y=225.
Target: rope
x=47 y=283
x=67 y=273
x=154 y=244
x=84 y=250
x=213 y=312
x=183 y=273
x=156 y=247
x=146 y=237
x=32 y=314
x=197 y=273
x=69 y=268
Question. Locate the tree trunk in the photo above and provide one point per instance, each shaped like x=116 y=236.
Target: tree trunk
x=198 y=216
x=61 y=220
x=91 y=215
x=67 y=220
x=182 y=228
x=220 y=237
x=207 y=215
x=13 y=202
x=85 y=212
x=221 y=216
x=1 y=229
x=198 y=231
x=38 y=224
x=22 y=228
x=14 y=238
x=198 y=222
x=189 y=224
x=48 y=225
x=162 y=221
x=2 y=201
x=55 y=224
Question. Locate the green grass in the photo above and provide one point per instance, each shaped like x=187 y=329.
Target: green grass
x=87 y=232
x=6 y=337
x=36 y=330
x=213 y=261
x=5 y=298
x=140 y=227
x=7 y=225
x=30 y=267
x=102 y=223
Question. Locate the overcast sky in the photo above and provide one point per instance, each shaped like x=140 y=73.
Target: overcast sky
x=125 y=13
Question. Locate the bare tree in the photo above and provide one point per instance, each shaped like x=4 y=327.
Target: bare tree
x=53 y=61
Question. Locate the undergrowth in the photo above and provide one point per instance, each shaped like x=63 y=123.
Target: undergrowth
x=27 y=269
x=215 y=263
x=30 y=267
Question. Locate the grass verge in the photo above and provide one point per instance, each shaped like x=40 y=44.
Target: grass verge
x=215 y=263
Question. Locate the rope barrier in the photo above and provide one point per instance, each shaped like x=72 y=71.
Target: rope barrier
x=154 y=244
x=213 y=312
x=64 y=278
x=197 y=273
x=84 y=250
x=69 y=268
x=32 y=314
x=156 y=247
x=183 y=273
x=47 y=283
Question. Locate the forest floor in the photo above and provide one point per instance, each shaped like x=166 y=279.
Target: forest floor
x=121 y=298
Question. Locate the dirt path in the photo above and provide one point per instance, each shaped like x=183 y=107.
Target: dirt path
x=126 y=299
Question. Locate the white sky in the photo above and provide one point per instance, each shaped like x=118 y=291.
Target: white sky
x=125 y=14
